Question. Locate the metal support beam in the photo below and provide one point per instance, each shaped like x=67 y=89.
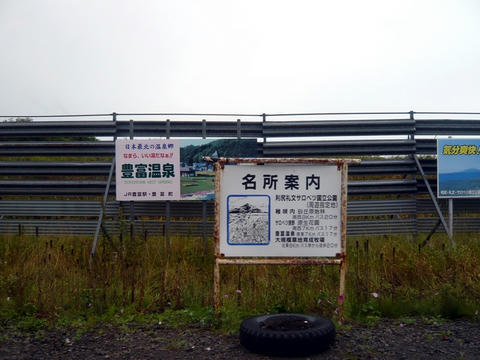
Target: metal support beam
x=131 y=206
x=102 y=211
x=204 y=129
x=204 y=202
x=104 y=202
x=414 y=175
x=424 y=242
x=264 y=120
x=239 y=129
x=434 y=199
x=167 y=203
x=450 y=218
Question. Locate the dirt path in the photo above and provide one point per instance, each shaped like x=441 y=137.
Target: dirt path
x=389 y=339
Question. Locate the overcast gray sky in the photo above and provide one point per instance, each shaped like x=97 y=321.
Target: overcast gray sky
x=90 y=56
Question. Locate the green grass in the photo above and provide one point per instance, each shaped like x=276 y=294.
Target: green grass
x=195 y=184
x=48 y=281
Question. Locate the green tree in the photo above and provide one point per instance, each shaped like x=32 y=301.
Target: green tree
x=224 y=148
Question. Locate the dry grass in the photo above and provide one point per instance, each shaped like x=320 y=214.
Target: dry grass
x=50 y=277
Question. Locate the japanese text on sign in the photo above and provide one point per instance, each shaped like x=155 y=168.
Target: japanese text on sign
x=290 y=182
x=147 y=169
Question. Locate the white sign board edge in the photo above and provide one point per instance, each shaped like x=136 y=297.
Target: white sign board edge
x=457 y=170
x=267 y=222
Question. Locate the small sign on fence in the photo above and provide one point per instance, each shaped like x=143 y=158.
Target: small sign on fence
x=147 y=169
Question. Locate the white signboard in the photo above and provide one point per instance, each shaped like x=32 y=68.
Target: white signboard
x=147 y=169
x=458 y=168
x=284 y=210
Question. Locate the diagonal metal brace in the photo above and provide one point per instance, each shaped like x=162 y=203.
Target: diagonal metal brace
x=424 y=242
x=434 y=199
x=102 y=210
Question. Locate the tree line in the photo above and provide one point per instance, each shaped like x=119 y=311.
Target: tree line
x=219 y=148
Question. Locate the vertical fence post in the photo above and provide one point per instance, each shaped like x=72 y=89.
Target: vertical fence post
x=131 y=203
x=414 y=196
x=167 y=203
x=239 y=129
x=367 y=267
x=264 y=120
x=450 y=217
x=204 y=202
x=357 y=268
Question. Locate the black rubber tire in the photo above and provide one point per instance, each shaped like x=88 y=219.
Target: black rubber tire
x=284 y=335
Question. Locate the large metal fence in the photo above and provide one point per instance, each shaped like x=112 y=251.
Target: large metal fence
x=54 y=169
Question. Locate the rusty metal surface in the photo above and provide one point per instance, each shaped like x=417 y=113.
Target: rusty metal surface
x=344 y=208
x=216 y=231
x=342 y=165
x=278 y=261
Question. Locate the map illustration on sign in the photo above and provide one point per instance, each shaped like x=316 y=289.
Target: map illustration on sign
x=248 y=221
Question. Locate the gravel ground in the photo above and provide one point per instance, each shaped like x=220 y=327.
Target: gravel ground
x=388 y=339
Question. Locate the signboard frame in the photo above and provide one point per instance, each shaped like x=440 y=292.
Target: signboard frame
x=149 y=158
x=341 y=257
x=459 y=148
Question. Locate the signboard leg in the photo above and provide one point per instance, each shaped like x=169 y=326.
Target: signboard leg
x=167 y=227
x=204 y=227
x=341 y=297
x=450 y=218
x=216 y=285
x=216 y=265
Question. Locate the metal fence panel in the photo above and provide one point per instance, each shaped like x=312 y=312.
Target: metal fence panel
x=338 y=128
x=447 y=127
x=47 y=148
x=386 y=193
x=339 y=148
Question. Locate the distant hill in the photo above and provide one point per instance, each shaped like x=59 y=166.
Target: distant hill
x=224 y=148
x=461 y=175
